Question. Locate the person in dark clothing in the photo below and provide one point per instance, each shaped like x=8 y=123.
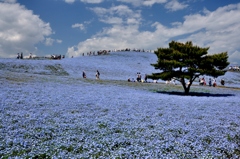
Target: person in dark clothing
x=210 y=82
x=21 y=55
x=222 y=82
x=18 y=56
x=97 y=75
x=84 y=74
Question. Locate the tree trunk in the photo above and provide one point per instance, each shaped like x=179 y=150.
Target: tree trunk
x=186 y=90
x=185 y=86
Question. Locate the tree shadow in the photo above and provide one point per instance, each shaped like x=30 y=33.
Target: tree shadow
x=198 y=94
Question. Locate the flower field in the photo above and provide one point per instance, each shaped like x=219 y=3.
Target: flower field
x=47 y=110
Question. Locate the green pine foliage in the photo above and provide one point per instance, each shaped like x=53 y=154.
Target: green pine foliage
x=186 y=61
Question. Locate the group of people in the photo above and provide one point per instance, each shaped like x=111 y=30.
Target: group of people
x=234 y=68
x=20 y=56
x=138 y=78
x=202 y=81
x=97 y=75
x=211 y=82
x=55 y=57
x=100 y=52
x=135 y=50
x=104 y=52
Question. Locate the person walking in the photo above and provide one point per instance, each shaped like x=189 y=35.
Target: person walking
x=222 y=82
x=21 y=56
x=97 y=75
x=84 y=74
x=214 y=82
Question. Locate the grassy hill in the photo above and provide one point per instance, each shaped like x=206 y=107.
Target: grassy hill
x=47 y=110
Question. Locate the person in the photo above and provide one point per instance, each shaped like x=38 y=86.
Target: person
x=222 y=82
x=139 y=77
x=97 y=74
x=21 y=57
x=173 y=81
x=18 y=56
x=204 y=82
x=145 y=78
x=214 y=82
x=210 y=82
x=84 y=74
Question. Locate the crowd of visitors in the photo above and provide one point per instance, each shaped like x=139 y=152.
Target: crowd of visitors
x=234 y=68
x=54 y=57
x=100 y=52
x=104 y=52
x=202 y=81
x=139 y=78
x=134 y=50
x=211 y=82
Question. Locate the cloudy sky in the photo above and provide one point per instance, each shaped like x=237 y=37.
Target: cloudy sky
x=73 y=27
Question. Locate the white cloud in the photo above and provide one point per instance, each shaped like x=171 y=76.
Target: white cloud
x=92 y=1
x=218 y=30
x=50 y=41
x=121 y=14
x=152 y=2
x=85 y=1
x=69 y=1
x=20 y=29
x=125 y=26
x=58 y=41
x=8 y=1
x=174 y=5
x=80 y=26
x=143 y=2
x=133 y=2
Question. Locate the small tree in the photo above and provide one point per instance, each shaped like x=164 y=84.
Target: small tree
x=185 y=61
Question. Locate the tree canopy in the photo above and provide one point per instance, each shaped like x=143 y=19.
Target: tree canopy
x=185 y=61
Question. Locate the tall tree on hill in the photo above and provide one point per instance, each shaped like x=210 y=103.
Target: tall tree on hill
x=185 y=61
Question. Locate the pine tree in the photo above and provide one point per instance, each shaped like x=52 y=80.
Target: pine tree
x=185 y=61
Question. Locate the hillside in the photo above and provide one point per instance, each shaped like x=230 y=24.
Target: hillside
x=114 y=66
x=47 y=110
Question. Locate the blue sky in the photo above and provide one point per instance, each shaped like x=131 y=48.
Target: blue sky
x=73 y=27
